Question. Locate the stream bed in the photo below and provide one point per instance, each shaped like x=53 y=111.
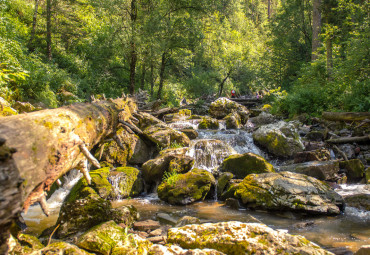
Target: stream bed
x=350 y=229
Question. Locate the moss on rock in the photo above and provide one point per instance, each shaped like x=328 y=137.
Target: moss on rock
x=233 y=121
x=243 y=164
x=208 y=123
x=63 y=248
x=355 y=170
x=128 y=180
x=186 y=188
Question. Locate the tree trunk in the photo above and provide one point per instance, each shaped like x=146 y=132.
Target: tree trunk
x=34 y=23
x=51 y=142
x=151 y=79
x=329 y=57
x=269 y=8
x=133 y=53
x=10 y=193
x=48 y=29
x=346 y=116
x=222 y=83
x=143 y=72
x=316 y=27
x=161 y=75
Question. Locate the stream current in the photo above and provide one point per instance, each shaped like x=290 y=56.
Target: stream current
x=350 y=229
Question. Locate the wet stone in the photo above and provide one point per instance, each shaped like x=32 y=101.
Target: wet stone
x=146 y=225
x=232 y=203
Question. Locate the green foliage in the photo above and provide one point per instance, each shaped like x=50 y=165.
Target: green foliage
x=176 y=145
x=170 y=177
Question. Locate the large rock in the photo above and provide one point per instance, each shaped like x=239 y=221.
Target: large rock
x=289 y=191
x=23 y=244
x=168 y=160
x=182 y=189
x=355 y=170
x=23 y=107
x=241 y=238
x=233 y=121
x=222 y=182
x=126 y=182
x=322 y=170
x=208 y=123
x=86 y=206
x=190 y=132
x=109 y=238
x=280 y=139
x=263 y=119
x=134 y=150
x=177 y=250
x=359 y=201
x=222 y=107
x=315 y=155
x=61 y=248
x=243 y=164
x=164 y=136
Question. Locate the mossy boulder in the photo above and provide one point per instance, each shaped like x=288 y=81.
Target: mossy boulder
x=158 y=249
x=263 y=118
x=233 y=121
x=222 y=182
x=134 y=150
x=230 y=189
x=240 y=165
x=322 y=170
x=220 y=108
x=187 y=220
x=6 y=109
x=109 y=238
x=355 y=170
x=280 y=139
x=367 y=175
x=23 y=244
x=359 y=201
x=208 y=123
x=183 y=189
x=87 y=206
x=164 y=136
x=168 y=161
x=126 y=182
x=62 y=248
x=235 y=238
x=23 y=107
x=286 y=191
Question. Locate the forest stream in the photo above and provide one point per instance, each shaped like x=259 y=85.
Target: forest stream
x=350 y=229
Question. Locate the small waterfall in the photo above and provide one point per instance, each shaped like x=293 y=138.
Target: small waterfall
x=184 y=124
x=209 y=153
x=240 y=140
x=116 y=179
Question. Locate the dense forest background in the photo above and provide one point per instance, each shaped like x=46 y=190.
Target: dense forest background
x=306 y=55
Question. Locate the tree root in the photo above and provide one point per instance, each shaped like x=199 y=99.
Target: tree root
x=44 y=205
x=82 y=166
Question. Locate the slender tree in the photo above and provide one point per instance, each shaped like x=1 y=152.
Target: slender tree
x=48 y=29
x=316 y=27
x=34 y=23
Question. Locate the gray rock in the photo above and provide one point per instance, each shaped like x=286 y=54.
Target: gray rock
x=187 y=220
x=322 y=170
x=364 y=250
x=166 y=218
x=280 y=139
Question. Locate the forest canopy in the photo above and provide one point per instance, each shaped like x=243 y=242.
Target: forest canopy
x=308 y=56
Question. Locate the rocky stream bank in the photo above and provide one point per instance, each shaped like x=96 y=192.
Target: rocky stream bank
x=234 y=181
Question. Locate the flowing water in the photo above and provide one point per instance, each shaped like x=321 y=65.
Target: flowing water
x=350 y=229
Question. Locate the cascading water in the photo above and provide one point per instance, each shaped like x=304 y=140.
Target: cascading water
x=209 y=153
x=36 y=217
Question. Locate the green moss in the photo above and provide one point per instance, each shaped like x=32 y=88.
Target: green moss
x=7 y=111
x=208 y=123
x=243 y=164
x=250 y=193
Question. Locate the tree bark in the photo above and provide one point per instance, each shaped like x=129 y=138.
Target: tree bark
x=51 y=142
x=316 y=27
x=143 y=72
x=346 y=116
x=269 y=8
x=329 y=57
x=133 y=53
x=161 y=75
x=10 y=193
x=222 y=83
x=34 y=23
x=151 y=79
x=48 y=29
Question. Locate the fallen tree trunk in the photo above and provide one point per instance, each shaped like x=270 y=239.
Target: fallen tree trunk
x=346 y=116
x=51 y=142
x=356 y=139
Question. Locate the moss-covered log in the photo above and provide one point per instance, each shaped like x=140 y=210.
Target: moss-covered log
x=51 y=142
x=346 y=116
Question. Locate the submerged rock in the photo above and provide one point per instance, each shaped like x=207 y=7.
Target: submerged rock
x=109 y=238
x=208 y=123
x=187 y=220
x=61 y=248
x=322 y=170
x=280 y=139
x=240 y=165
x=241 y=238
x=359 y=201
x=289 y=191
x=183 y=189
